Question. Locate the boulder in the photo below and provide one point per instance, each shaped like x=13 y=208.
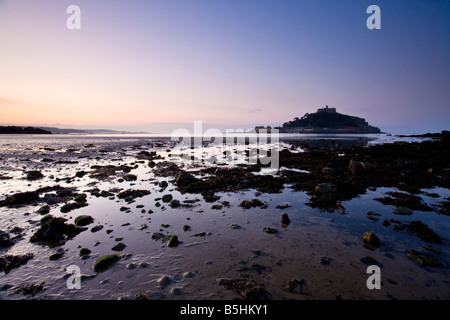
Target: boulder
x=83 y=220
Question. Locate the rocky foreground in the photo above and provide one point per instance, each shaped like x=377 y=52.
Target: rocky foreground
x=329 y=175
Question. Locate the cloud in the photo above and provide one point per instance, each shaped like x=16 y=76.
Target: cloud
x=255 y=110
x=3 y=100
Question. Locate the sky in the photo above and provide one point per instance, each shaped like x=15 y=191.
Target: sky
x=159 y=65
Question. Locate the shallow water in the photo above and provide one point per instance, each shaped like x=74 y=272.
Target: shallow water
x=324 y=249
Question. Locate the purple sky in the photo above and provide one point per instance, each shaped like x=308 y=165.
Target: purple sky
x=159 y=65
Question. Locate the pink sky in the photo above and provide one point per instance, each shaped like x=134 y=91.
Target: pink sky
x=135 y=64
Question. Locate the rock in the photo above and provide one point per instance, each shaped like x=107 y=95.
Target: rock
x=176 y=291
x=424 y=258
x=34 y=175
x=9 y=262
x=370 y=261
x=142 y=227
x=386 y=223
x=325 y=261
x=296 y=286
x=355 y=167
x=45 y=218
x=269 y=230
x=163 y=184
x=371 y=241
x=173 y=241
x=130 y=177
x=55 y=256
x=72 y=206
x=20 y=198
x=119 y=247
x=80 y=198
x=97 y=228
x=326 y=188
x=327 y=170
x=402 y=211
x=131 y=194
x=183 y=179
x=186 y=228
x=248 y=289
x=424 y=232
x=235 y=226
x=43 y=210
x=54 y=230
x=174 y=203
x=157 y=236
x=429 y=248
x=131 y=266
x=83 y=220
x=167 y=198
x=164 y=281
x=188 y=274
x=5 y=240
x=84 y=251
x=104 y=262
x=285 y=219
x=253 y=203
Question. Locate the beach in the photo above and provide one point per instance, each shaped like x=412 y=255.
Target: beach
x=179 y=230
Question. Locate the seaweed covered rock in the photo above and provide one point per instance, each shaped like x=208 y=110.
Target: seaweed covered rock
x=83 y=220
x=248 y=289
x=55 y=230
x=9 y=262
x=104 y=262
x=246 y=204
x=424 y=259
x=20 y=198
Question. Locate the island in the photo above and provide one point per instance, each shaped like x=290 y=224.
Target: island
x=22 y=130
x=325 y=120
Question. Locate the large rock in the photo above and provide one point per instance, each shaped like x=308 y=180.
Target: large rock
x=83 y=220
x=20 y=198
x=54 y=230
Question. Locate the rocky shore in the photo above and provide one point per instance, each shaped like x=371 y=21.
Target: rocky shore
x=53 y=211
